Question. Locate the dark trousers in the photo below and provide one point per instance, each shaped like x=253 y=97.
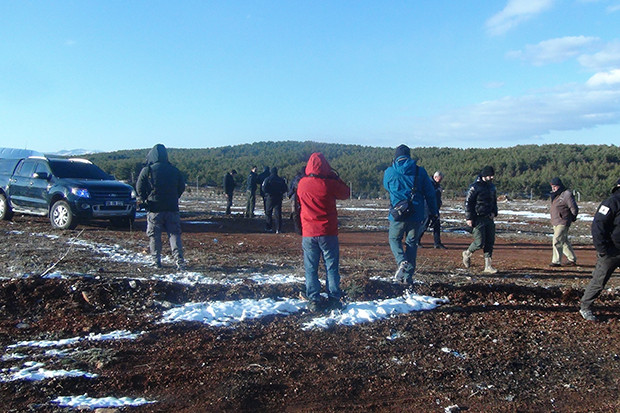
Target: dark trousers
x=432 y=222
x=229 y=202
x=484 y=236
x=273 y=213
x=605 y=266
x=251 y=204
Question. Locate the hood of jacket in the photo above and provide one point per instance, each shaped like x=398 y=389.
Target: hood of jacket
x=157 y=154
x=318 y=165
x=404 y=165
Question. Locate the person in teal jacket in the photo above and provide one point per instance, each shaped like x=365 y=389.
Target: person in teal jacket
x=398 y=180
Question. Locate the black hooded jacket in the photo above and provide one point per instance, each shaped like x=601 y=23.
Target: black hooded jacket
x=606 y=225
x=160 y=184
x=274 y=186
x=481 y=200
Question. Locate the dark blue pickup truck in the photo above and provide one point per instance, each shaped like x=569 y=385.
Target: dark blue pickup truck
x=69 y=191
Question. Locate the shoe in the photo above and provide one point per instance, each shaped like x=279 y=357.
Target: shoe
x=315 y=306
x=587 y=314
x=555 y=264
x=466 y=258
x=181 y=266
x=402 y=272
x=571 y=264
x=488 y=267
x=334 y=304
x=440 y=247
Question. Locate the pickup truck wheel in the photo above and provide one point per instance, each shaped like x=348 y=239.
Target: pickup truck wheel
x=61 y=216
x=5 y=209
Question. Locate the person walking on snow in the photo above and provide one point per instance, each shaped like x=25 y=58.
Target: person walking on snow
x=606 y=239
x=563 y=212
x=160 y=185
x=318 y=191
x=480 y=213
x=399 y=179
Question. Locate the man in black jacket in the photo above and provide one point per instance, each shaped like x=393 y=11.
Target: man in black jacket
x=480 y=212
x=261 y=178
x=606 y=238
x=274 y=188
x=433 y=221
x=160 y=185
x=251 y=188
x=229 y=189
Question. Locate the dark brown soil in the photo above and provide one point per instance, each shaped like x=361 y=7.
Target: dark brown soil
x=512 y=342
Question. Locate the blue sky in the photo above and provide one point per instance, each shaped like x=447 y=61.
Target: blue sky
x=110 y=75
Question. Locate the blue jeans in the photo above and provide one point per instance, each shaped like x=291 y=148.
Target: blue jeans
x=411 y=231
x=328 y=247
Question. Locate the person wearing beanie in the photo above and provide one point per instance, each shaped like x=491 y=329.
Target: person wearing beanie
x=403 y=180
x=563 y=211
x=606 y=239
x=480 y=213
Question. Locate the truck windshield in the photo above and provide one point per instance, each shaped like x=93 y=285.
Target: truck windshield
x=77 y=169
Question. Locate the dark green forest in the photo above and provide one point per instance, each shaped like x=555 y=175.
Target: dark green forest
x=520 y=172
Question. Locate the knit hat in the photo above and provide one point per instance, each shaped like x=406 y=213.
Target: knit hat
x=487 y=171
x=402 y=150
x=556 y=181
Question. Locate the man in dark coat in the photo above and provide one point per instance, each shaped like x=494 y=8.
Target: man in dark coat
x=229 y=189
x=433 y=221
x=274 y=187
x=252 y=183
x=160 y=185
x=606 y=238
x=480 y=213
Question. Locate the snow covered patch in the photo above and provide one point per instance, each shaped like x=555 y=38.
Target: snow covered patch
x=197 y=278
x=225 y=313
x=84 y=401
x=35 y=372
x=370 y=311
x=114 y=252
x=114 y=335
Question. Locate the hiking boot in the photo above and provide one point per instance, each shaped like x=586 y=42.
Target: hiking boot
x=334 y=304
x=488 y=268
x=555 y=264
x=466 y=258
x=315 y=306
x=587 y=314
x=571 y=264
x=440 y=247
x=402 y=272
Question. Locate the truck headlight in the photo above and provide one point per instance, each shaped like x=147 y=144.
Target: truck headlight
x=134 y=194
x=80 y=192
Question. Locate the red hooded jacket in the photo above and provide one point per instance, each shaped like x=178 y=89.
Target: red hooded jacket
x=317 y=193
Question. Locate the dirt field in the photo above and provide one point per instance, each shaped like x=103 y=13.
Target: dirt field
x=512 y=342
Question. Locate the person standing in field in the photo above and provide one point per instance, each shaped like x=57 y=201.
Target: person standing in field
x=252 y=184
x=261 y=178
x=229 y=189
x=274 y=187
x=480 y=213
x=606 y=238
x=433 y=221
x=318 y=191
x=160 y=185
x=402 y=179
x=563 y=212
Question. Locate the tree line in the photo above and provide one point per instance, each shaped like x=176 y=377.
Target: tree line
x=521 y=171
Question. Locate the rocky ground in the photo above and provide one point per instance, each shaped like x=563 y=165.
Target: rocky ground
x=512 y=342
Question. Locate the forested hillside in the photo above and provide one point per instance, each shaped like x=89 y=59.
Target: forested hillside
x=521 y=171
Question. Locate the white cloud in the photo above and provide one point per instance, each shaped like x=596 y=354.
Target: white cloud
x=555 y=50
x=607 y=58
x=514 y=13
x=605 y=78
x=502 y=122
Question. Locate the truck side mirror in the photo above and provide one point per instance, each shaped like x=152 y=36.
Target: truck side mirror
x=41 y=175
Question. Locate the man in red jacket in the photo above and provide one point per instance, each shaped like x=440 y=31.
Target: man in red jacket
x=317 y=193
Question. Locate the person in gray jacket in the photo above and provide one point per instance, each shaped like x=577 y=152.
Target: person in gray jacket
x=563 y=212
x=160 y=185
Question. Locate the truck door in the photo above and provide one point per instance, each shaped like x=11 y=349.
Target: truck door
x=20 y=184
x=37 y=193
